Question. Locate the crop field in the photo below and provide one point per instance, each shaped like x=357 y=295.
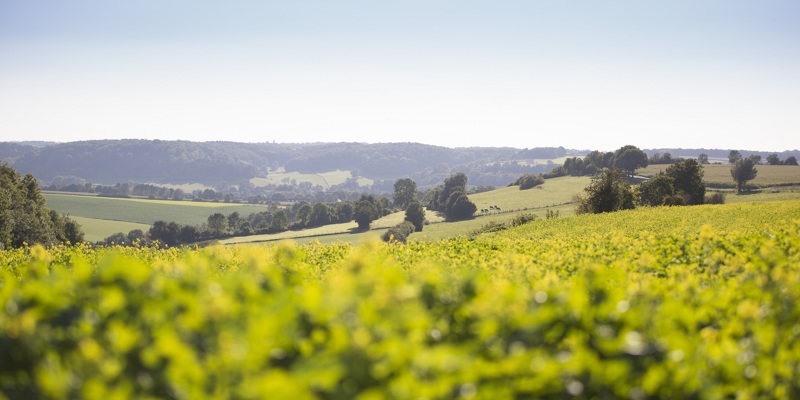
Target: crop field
x=720 y=174
x=325 y=179
x=668 y=302
x=142 y=211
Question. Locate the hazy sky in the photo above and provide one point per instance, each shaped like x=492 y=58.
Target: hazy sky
x=578 y=74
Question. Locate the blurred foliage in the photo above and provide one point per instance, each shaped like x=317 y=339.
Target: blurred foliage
x=688 y=302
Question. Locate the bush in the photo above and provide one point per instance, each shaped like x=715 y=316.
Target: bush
x=528 y=181
x=399 y=232
x=715 y=198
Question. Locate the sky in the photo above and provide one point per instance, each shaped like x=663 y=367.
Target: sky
x=579 y=74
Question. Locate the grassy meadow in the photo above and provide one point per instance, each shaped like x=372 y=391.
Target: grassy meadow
x=664 y=302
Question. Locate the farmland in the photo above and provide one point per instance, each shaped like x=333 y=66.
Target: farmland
x=666 y=302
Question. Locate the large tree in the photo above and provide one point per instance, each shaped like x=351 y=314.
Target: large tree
x=629 y=158
x=688 y=177
x=405 y=191
x=609 y=191
x=656 y=191
x=791 y=160
x=743 y=170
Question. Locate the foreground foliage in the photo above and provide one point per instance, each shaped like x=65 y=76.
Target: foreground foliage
x=689 y=302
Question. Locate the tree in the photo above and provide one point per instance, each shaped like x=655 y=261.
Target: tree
x=756 y=159
x=459 y=206
x=279 y=221
x=365 y=211
x=773 y=159
x=135 y=235
x=234 y=220
x=405 y=191
x=166 y=232
x=188 y=234
x=655 y=191
x=453 y=182
x=415 y=214
x=742 y=171
x=344 y=211
x=791 y=160
x=688 y=177
x=734 y=156
x=703 y=158
x=610 y=191
x=320 y=215
x=303 y=215
x=216 y=224
x=629 y=158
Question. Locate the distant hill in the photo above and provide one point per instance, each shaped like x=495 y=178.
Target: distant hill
x=221 y=164
x=157 y=161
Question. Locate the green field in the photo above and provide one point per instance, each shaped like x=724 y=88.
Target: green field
x=142 y=211
x=98 y=229
x=666 y=302
x=720 y=174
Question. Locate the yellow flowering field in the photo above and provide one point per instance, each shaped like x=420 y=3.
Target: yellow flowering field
x=683 y=302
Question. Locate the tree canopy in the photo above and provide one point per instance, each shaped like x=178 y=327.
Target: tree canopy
x=629 y=158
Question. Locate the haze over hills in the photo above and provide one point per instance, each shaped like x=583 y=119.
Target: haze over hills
x=216 y=163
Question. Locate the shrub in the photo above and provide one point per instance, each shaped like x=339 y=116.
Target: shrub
x=715 y=198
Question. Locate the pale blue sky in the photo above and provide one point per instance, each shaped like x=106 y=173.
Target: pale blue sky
x=578 y=74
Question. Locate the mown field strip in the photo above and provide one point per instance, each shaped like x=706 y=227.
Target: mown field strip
x=99 y=229
x=142 y=211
